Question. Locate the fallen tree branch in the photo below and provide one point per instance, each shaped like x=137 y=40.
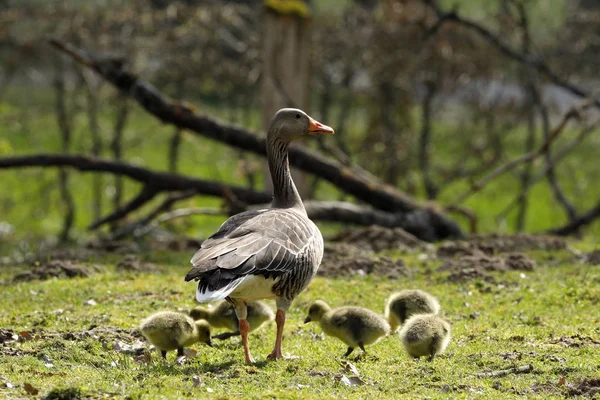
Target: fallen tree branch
x=527 y=157
x=421 y=223
x=159 y=181
x=171 y=215
x=382 y=197
x=503 y=372
x=163 y=207
x=579 y=222
x=144 y=196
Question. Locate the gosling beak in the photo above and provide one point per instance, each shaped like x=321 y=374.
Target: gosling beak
x=209 y=343
x=316 y=128
x=307 y=320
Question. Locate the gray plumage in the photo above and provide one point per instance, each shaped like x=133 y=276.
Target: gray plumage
x=402 y=305
x=223 y=316
x=168 y=330
x=355 y=326
x=425 y=335
x=270 y=253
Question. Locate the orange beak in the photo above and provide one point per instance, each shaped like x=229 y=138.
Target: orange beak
x=316 y=128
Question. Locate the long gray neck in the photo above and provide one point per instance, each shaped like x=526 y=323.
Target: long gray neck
x=285 y=194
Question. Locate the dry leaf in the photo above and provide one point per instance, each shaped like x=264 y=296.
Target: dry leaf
x=349 y=367
x=25 y=336
x=189 y=353
x=181 y=360
x=143 y=358
x=90 y=302
x=30 y=389
x=349 y=381
x=45 y=358
x=209 y=390
x=5 y=384
x=357 y=380
x=561 y=381
x=195 y=380
x=343 y=378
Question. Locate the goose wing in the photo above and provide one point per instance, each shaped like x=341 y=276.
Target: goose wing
x=265 y=242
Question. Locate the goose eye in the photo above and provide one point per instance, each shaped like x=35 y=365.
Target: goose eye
x=297 y=116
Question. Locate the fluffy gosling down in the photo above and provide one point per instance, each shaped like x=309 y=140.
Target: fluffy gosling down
x=223 y=316
x=355 y=326
x=402 y=305
x=168 y=330
x=425 y=335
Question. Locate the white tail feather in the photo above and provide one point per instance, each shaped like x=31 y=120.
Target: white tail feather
x=219 y=294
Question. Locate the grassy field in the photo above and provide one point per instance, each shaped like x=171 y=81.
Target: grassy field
x=546 y=318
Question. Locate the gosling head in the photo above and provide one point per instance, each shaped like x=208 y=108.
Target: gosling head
x=203 y=329
x=316 y=311
x=290 y=124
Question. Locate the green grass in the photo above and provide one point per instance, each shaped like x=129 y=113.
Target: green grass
x=546 y=318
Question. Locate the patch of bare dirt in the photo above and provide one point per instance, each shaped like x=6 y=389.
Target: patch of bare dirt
x=341 y=259
x=104 y=334
x=592 y=258
x=132 y=263
x=576 y=341
x=377 y=238
x=588 y=387
x=478 y=245
x=468 y=267
x=57 y=269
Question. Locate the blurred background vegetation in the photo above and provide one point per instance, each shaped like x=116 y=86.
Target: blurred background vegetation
x=427 y=112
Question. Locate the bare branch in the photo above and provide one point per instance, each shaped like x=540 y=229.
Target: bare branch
x=564 y=151
x=146 y=194
x=527 y=157
x=494 y=40
x=171 y=215
x=160 y=181
x=576 y=224
x=425 y=142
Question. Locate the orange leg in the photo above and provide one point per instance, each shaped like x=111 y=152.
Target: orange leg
x=244 y=328
x=280 y=320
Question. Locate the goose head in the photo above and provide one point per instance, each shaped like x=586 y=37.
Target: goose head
x=290 y=124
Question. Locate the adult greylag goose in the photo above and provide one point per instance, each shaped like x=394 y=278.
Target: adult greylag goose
x=269 y=253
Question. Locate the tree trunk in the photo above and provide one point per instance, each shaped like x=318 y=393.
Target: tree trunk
x=286 y=73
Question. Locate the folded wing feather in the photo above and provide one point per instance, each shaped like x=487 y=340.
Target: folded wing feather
x=264 y=243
